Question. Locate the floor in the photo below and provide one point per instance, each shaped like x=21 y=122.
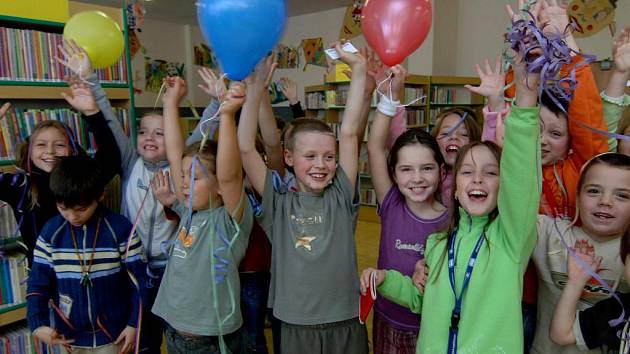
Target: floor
x=367 y=238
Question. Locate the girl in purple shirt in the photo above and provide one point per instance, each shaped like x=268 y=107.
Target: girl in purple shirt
x=407 y=185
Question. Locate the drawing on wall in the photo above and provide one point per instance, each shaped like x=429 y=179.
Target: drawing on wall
x=157 y=69
x=351 y=26
x=592 y=16
x=204 y=56
x=288 y=57
x=313 y=52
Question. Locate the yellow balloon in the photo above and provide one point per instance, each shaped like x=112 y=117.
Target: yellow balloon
x=98 y=35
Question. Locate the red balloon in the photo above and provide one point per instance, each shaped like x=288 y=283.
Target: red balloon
x=396 y=28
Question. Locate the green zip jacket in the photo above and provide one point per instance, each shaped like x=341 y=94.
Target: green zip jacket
x=491 y=320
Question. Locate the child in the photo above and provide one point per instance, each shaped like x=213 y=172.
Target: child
x=198 y=296
x=80 y=257
x=407 y=185
x=454 y=128
x=315 y=289
x=604 y=212
x=614 y=100
x=488 y=243
x=138 y=168
x=27 y=191
x=604 y=208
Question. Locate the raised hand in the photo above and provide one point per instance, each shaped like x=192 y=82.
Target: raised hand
x=289 y=89
x=621 y=51
x=75 y=59
x=553 y=17
x=576 y=273
x=5 y=107
x=175 y=90
x=261 y=77
x=234 y=98
x=523 y=9
x=214 y=87
x=162 y=189
x=352 y=59
x=375 y=71
x=492 y=82
x=399 y=74
x=80 y=97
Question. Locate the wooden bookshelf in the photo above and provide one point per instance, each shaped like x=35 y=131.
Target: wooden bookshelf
x=12 y=314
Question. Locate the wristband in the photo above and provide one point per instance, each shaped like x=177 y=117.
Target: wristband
x=387 y=106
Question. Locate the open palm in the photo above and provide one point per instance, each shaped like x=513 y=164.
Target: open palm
x=621 y=51
x=81 y=98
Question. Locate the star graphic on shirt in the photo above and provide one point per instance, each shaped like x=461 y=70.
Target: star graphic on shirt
x=304 y=240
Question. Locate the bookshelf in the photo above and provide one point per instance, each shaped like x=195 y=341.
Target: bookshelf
x=32 y=81
x=30 y=78
x=442 y=92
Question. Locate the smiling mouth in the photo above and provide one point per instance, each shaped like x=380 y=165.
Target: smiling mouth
x=317 y=176
x=602 y=216
x=150 y=147
x=452 y=148
x=477 y=195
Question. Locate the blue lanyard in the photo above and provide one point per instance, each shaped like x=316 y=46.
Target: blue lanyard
x=456 y=314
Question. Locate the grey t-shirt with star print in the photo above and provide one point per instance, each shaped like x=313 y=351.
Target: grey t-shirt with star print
x=314 y=277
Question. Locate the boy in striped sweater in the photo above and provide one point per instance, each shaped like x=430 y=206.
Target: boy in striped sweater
x=84 y=269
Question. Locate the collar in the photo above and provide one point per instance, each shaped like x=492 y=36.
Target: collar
x=155 y=166
x=468 y=223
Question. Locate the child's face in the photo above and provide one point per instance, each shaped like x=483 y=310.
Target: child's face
x=451 y=143
x=604 y=201
x=623 y=146
x=416 y=173
x=77 y=215
x=313 y=160
x=477 y=181
x=554 y=137
x=205 y=188
x=47 y=146
x=151 y=139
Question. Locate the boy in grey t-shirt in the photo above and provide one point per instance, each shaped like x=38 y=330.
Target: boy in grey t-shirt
x=314 y=283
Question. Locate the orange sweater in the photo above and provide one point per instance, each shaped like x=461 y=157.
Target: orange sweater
x=560 y=179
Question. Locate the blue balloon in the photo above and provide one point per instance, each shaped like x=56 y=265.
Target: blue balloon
x=241 y=32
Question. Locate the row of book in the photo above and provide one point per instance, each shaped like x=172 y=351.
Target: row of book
x=28 y=55
x=339 y=96
x=12 y=284
x=19 y=340
x=450 y=95
x=413 y=93
x=415 y=117
x=336 y=128
x=315 y=100
x=18 y=124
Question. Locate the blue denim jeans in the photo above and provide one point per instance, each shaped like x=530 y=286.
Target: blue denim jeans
x=177 y=343
x=254 y=294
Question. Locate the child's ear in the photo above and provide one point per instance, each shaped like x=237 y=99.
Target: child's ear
x=442 y=172
x=288 y=157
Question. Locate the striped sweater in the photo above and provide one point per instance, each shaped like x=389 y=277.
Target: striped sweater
x=95 y=314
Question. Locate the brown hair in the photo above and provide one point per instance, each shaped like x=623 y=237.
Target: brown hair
x=609 y=159
x=305 y=125
x=23 y=156
x=454 y=210
x=208 y=154
x=470 y=122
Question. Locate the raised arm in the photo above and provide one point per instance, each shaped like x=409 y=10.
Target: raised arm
x=229 y=167
x=289 y=89
x=377 y=141
x=77 y=61
x=614 y=99
x=107 y=153
x=253 y=163
x=351 y=125
x=520 y=168
x=562 y=322
x=215 y=88
x=173 y=140
x=268 y=127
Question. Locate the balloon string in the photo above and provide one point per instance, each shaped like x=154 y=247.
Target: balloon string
x=390 y=79
x=159 y=94
x=205 y=132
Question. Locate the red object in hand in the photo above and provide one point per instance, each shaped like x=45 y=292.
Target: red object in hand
x=396 y=28
x=367 y=300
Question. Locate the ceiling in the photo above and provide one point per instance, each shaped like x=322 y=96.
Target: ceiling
x=183 y=11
